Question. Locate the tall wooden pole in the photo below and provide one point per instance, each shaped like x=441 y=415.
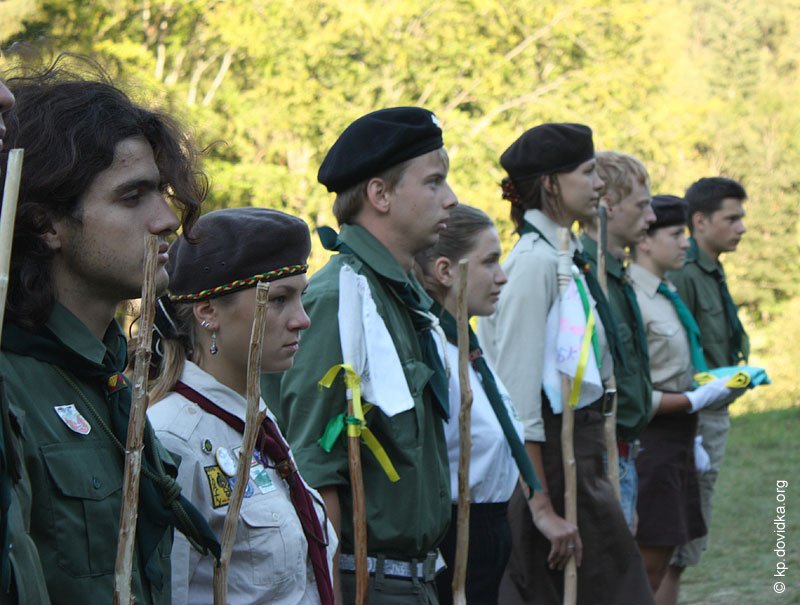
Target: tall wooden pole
x=135 y=440
x=610 y=423
x=465 y=439
x=252 y=422
x=7 y=217
x=567 y=433
x=359 y=511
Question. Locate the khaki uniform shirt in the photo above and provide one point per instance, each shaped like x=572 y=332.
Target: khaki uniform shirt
x=406 y=519
x=269 y=562
x=75 y=479
x=513 y=337
x=670 y=356
x=698 y=284
x=634 y=388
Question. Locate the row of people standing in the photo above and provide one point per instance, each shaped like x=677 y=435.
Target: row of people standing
x=78 y=253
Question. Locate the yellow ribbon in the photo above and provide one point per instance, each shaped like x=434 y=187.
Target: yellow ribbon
x=739 y=380
x=356 y=424
x=586 y=346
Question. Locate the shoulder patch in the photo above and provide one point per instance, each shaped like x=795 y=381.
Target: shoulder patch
x=219 y=486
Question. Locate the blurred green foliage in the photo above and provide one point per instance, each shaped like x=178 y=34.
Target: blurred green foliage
x=692 y=87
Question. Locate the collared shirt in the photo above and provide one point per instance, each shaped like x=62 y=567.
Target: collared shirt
x=513 y=338
x=406 y=519
x=75 y=478
x=493 y=472
x=269 y=562
x=670 y=357
x=634 y=388
x=698 y=285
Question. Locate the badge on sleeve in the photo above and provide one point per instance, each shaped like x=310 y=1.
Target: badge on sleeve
x=70 y=416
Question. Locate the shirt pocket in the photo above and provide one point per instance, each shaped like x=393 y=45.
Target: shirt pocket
x=667 y=350
x=86 y=500
x=631 y=363
x=276 y=544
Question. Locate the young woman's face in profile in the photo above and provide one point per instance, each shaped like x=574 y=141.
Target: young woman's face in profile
x=580 y=191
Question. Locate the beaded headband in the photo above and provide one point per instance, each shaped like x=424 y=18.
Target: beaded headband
x=239 y=284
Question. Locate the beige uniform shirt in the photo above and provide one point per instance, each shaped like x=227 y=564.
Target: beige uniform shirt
x=513 y=338
x=670 y=357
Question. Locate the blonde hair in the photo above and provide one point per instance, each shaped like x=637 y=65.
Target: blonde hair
x=619 y=171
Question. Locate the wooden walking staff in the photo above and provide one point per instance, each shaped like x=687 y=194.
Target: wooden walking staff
x=252 y=422
x=7 y=217
x=610 y=424
x=465 y=439
x=135 y=440
x=567 y=432
x=359 y=507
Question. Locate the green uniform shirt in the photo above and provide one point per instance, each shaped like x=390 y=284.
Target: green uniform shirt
x=405 y=519
x=75 y=479
x=698 y=285
x=28 y=585
x=634 y=387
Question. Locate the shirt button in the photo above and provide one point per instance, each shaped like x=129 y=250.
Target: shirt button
x=274 y=516
x=96 y=483
x=192 y=410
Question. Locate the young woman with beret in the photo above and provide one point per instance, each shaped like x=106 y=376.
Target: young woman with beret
x=283 y=540
x=552 y=182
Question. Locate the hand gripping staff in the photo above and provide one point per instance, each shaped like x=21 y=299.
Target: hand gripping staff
x=253 y=420
x=464 y=436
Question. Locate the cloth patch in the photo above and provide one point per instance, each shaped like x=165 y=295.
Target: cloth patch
x=70 y=416
x=261 y=479
x=219 y=486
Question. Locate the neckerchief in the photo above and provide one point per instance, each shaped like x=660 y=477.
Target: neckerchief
x=633 y=305
x=489 y=384
x=161 y=504
x=600 y=300
x=420 y=318
x=731 y=310
x=689 y=324
x=271 y=446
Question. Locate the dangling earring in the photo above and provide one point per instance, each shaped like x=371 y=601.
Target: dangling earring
x=213 y=348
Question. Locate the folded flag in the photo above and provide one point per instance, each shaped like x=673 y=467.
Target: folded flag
x=739 y=377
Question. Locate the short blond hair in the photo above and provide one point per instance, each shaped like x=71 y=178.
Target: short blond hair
x=619 y=171
x=349 y=202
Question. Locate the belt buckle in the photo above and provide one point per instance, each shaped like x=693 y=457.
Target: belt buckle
x=636 y=447
x=607 y=404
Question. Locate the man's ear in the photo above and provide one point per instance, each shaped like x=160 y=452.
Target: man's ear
x=54 y=235
x=443 y=271
x=205 y=312
x=699 y=221
x=378 y=195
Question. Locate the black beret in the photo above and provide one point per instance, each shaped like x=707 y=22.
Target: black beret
x=376 y=142
x=548 y=149
x=670 y=211
x=234 y=249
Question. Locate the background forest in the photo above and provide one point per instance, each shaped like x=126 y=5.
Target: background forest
x=692 y=87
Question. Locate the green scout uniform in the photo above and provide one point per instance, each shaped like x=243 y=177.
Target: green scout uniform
x=632 y=372
x=21 y=577
x=406 y=519
x=700 y=284
x=76 y=474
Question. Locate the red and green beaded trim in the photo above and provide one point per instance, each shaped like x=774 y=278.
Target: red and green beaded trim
x=238 y=284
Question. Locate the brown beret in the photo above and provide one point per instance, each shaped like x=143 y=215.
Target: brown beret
x=234 y=249
x=376 y=142
x=548 y=149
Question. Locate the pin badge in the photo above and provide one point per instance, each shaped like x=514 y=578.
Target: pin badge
x=70 y=416
x=226 y=461
x=207 y=447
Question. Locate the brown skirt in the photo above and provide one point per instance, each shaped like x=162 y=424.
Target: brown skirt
x=612 y=572
x=669 y=496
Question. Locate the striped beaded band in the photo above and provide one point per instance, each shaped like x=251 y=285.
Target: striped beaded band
x=239 y=284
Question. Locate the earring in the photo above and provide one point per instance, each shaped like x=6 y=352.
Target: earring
x=213 y=348
x=204 y=324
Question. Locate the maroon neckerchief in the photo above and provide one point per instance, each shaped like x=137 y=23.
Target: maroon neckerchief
x=271 y=445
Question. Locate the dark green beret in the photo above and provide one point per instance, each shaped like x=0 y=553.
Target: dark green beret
x=670 y=211
x=548 y=149
x=234 y=249
x=376 y=142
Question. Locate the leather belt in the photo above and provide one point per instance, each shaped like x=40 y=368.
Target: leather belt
x=629 y=449
x=424 y=570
